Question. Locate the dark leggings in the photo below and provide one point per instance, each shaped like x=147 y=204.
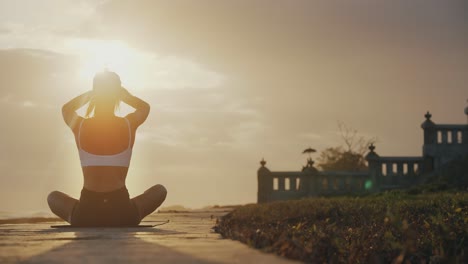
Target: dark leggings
x=105 y=209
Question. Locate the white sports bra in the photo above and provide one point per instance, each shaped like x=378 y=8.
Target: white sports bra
x=121 y=159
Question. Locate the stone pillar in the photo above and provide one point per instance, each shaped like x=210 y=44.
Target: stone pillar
x=375 y=168
x=389 y=168
x=410 y=169
x=455 y=136
x=430 y=133
x=400 y=174
x=265 y=184
x=292 y=183
x=444 y=136
x=309 y=179
x=400 y=168
x=430 y=142
x=281 y=183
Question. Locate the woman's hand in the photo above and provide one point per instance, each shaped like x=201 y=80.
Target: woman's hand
x=142 y=108
x=69 y=109
x=124 y=94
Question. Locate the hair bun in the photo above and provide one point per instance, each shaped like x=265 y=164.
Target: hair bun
x=106 y=81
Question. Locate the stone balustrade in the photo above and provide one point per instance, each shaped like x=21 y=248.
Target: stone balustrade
x=309 y=182
x=442 y=144
x=396 y=172
x=451 y=134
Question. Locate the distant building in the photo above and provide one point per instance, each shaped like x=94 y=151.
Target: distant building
x=442 y=144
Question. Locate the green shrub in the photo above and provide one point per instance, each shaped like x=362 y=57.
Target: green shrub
x=381 y=228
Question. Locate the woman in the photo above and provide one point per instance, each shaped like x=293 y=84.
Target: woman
x=105 y=144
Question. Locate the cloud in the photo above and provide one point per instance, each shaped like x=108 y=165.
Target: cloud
x=37 y=15
x=313 y=61
x=202 y=128
x=143 y=70
x=36 y=75
x=284 y=36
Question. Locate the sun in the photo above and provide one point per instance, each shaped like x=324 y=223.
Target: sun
x=97 y=55
x=138 y=69
x=113 y=55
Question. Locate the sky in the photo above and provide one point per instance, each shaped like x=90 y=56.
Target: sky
x=229 y=83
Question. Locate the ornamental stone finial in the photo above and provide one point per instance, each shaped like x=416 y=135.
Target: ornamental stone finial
x=263 y=162
x=428 y=115
x=428 y=124
x=371 y=147
x=371 y=155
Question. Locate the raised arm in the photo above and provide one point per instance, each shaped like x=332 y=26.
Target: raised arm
x=69 y=109
x=142 y=108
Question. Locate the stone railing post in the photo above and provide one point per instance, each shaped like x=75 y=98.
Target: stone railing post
x=265 y=183
x=430 y=133
x=375 y=168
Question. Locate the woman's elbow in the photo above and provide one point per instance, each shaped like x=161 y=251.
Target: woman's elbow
x=65 y=110
x=146 y=108
x=67 y=113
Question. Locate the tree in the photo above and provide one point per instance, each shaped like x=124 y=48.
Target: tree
x=350 y=155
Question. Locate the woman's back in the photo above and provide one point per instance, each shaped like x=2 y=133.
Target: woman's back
x=105 y=136
x=105 y=148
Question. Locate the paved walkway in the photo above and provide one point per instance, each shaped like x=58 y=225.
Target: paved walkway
x=187 y=238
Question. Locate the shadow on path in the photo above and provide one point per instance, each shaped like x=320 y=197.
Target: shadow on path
x=109 y=245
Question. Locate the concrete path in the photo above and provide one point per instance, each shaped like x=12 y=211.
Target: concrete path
x=187 y=238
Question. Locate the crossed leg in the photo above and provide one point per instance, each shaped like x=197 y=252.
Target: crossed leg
x=61 y=205
x=150 y=200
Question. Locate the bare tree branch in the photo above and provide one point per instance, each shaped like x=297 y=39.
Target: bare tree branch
x=348 y=156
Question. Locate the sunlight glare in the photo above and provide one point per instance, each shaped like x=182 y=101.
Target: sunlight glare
x=99 y=55
x=139 y=69
x=113 y=55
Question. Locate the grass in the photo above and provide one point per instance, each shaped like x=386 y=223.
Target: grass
x=384 y=228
